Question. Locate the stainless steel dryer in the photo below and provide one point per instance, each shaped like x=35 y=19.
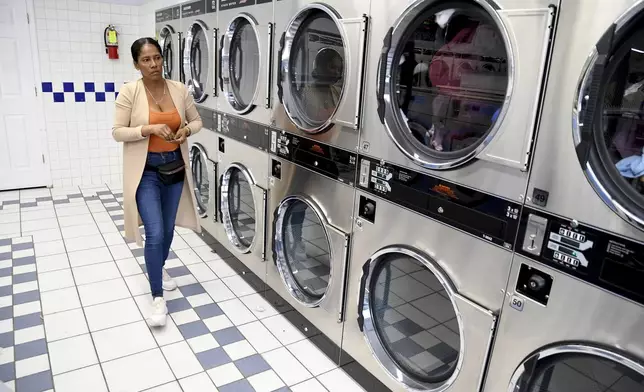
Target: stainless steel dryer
x=204 y=165
x=243 y=192
x=573 y=316
x=588 y=159
x=310 y=208
x=320 y=67
x=454 y=88
x=199 y=25
x=245 y=80
x=425 y=286
x=168 y=33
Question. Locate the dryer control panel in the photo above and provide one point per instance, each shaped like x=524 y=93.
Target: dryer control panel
x=603 y=259
x=485 y=216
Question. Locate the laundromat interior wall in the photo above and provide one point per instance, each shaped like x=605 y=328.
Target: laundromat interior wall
x=79 y=84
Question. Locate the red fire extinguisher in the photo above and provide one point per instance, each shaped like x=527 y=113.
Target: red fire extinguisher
x=111 y=42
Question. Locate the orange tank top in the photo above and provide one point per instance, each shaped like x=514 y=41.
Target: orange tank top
x=171 y=119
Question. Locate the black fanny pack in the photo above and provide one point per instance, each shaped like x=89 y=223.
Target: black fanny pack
x=169 y=173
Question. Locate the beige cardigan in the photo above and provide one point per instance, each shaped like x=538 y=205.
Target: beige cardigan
x=131 y=114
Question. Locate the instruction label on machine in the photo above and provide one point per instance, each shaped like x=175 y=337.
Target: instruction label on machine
x=193 y=8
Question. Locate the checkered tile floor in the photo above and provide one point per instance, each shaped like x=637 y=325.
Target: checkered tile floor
x=74 y=297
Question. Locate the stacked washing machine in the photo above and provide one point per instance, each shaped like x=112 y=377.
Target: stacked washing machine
x=574 y=311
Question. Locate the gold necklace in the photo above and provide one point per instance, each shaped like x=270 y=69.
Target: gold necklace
x=154 y=99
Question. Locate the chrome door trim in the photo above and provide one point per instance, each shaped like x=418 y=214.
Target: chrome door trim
x=204 y=157
x=187 y=55
x=225 y=209
x=373 y=339
x=162 y=41
x=396 y=129
x=577 y=348
x=225 y=63
x=291 y=31
x=282 y=264
x=583 y=85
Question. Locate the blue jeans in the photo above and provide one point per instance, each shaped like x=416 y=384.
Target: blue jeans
x=158 y=204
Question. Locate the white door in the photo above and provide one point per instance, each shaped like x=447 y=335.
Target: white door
x=22 y=162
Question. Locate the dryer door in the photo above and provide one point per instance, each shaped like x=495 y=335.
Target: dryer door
x=423 y=333
x=240 y=63
x=609 y=118
x=578 y=368
x=448 y=86
x=169 y=51
x=196 y=60
x=204 y=175
x=311 y=254
x=242 y=208
x=320 y=71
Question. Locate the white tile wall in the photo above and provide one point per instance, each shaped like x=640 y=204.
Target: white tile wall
x=71 y=49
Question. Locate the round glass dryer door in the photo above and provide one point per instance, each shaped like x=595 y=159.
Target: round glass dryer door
x=167 y=51
x=200 y=178
x=444 y=81
x=240 y=63
x=610 y=121
x=313 y=68
x=238 y=207
x=303 y=251
x=578 y=368
x=196 y=60
x=410 y=319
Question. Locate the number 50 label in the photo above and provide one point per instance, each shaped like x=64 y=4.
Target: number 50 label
x=517 y=303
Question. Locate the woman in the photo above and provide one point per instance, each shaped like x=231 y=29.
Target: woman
x=153 y=119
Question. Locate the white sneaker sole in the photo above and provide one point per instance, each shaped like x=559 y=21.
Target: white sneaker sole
x=169 y=286
x=157 y=320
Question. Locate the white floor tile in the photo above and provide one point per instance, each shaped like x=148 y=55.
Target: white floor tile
x=170 y=387
x=80 y=231
x=6 y=325
x=23 y=269
x=108 y=228
x=49 y=248
x=259 y=306
x=238 y=286
x=41 y=224
x=120 y=251
x=187 y=256
x=29 y=334
x=82 y=380
x=259 y=337
x=203 y=343
x=36 y=215
x=138 y=372
x=218 y=291
x=129 y=267
x=74 y=244
x=72 y=354
x=101 y=292
x=165 y=335
x=265 y=382
x=113 y=239
x=56 y=280
x=283 y=329
x=46 y=235
x=338 y=381
x=217 y=323
x=199 y=300
x=124 y=340
x=193 y=239
x=221 y=268
x=89 y=256
x=202 y=272
x=236 y=312
x=182 y=360
x=238 y=350
x=96 y=273
x=287 y=366
x=59 y=300
x=25 y=287
x=178 y=243
x=33 y=365
x=65 y=325
x=138 y=284
x=52 y=263
x=102 y=217
x=69 y=210
x=312 y=385
x=112 y=314
x=75 y=220
x=225 y=374
x=185 y=280
x=311 y=357
x=7 y=355
x=197 y=383
x=10 y=218
x=26 y=308
x=185 y=316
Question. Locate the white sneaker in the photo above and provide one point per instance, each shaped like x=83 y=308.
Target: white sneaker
x=159 y=313
x=168 y=283
x=300 y=251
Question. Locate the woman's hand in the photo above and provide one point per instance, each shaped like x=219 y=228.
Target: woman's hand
x=161 y=130
x=181 y=136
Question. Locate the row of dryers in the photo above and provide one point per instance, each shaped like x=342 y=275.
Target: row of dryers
x=450 y=190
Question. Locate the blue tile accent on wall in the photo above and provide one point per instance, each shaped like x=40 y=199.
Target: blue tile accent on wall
x=100 y=97
x=109 y=87
x=80 y=94
x=59 y=97
x=47 y=87
x=79 y=97
x=68 y=87
x=89 y=87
